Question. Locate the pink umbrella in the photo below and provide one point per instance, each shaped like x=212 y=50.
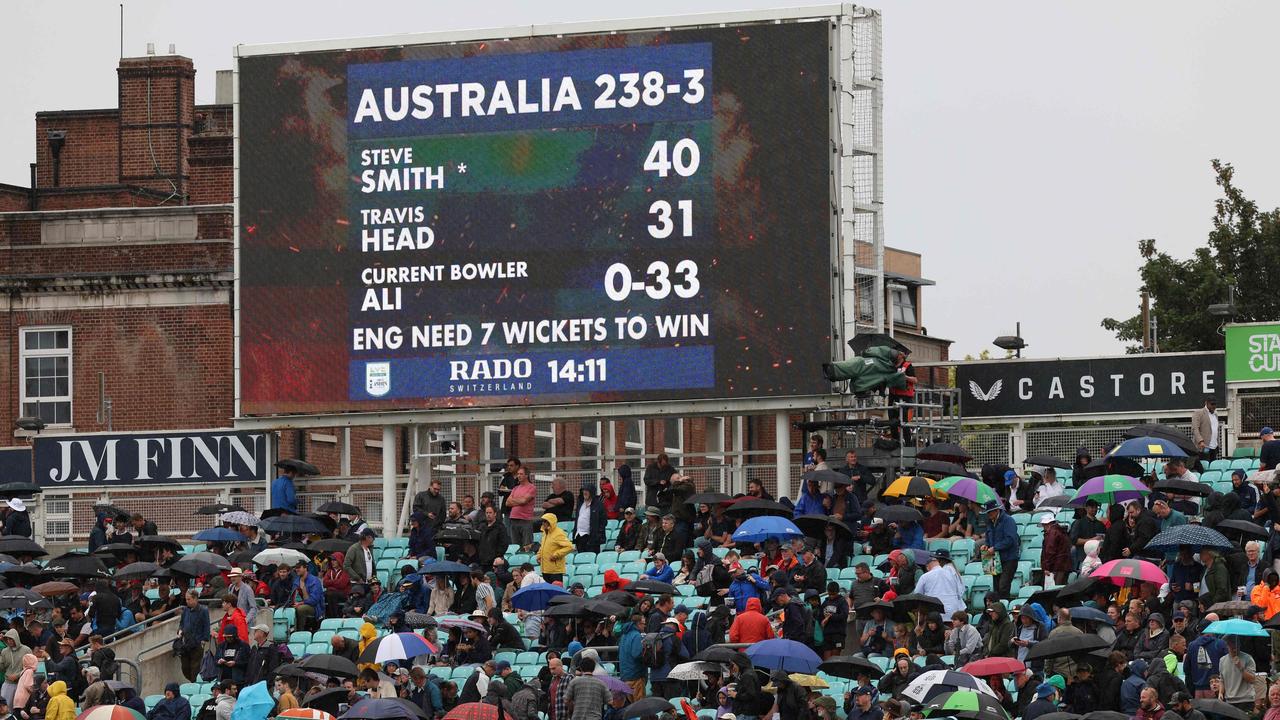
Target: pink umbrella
x=1120 y=571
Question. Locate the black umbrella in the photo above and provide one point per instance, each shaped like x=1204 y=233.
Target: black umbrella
x=1236 y=528
x=1179 y=486
x=371 y=708
x=725 y=655
x=898 y=514
x=863 y=611
x=79 y=567
x=622 y=597
x=647 y=706
x=940 y=467
x=904 y=604
x=216 y=509
x=1112 y=466
x=1057 y=501
x=566 y=610
x=136 y=571
x=860 y=342
x=1211 y=706
x=1164 y=432
x=155 y=541
x=19 y=489
x=20 y=545
x=652 y=587
x=301 y=467
x=339 y=507
x=753 y=507
x=1104 y=715
x=194 y=567
x=708 y=498
x=950 y=452
x=329 y=545
x=117 y=549
x=1079 y=587
x=569 y=599
x=329 y=701
x=1048 y=461
x=291 y=670
x=850 y=666
x=16 y=598
x=293 y=525
x=112 y=511
x=329 y=664
x=815 y=525
x=827 y=476
x=1058 y=716
x=1065 y=645
x=607 y=608
x=25 y=571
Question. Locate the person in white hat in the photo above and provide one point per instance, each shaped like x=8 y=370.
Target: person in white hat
x=16 y=520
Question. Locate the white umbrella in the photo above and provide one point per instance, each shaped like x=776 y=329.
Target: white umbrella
x=934 y=682
x=239 y=517
x=693 y=670
x=279 y=556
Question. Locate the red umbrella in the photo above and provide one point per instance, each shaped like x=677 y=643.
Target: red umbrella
x=473 y=711
x=994 y=666
x=1121 y=571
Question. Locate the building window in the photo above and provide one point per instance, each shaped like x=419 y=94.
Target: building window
x=635 y=443
x=904 y=307
x=495 y=444
x=46 y=374
x=590 y=441
x=673 y=438
x=544 y=446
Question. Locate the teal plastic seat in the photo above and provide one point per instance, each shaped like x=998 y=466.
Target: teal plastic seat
x=628 y=556
x=584 y=558
x=300 y=636
x=297 y=649
x=331 y=624
x=323 y=636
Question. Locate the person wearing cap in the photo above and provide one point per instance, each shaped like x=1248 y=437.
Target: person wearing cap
x=306 y=595
x=1180 y=703
x=673 y=653
x=1055 y=554
x=283 y=493
x=628 y=531
x=859 y=705
x=1046 y=702
x=1016 y=491
x=1204 y=429
x=263 y=656
x=660 y=570
x=941 y=581
x=1002 y=539
x=16 y=520
x=809 y=574
x=245 y=599
x=1269 y=452
x=795 y=619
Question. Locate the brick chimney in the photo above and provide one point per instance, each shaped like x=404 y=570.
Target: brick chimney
x=157 y=110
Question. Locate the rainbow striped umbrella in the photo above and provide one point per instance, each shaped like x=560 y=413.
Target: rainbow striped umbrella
x=967 y=488
x=1110 y=489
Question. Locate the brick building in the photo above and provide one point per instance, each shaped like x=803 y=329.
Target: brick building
x=118 y=285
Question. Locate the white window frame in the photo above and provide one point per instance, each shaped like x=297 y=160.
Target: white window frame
x=907 y=301
x=674 y=452
x=634 y=448
x=487 y=433
x=546 y=434
x=585 y=437
x=24 y=353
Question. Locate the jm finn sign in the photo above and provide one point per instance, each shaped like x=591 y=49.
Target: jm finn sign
x=1122 y=384
x=150 y=459
x=1253 y=352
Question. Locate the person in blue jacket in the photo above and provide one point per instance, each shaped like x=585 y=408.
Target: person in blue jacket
x=626 y=488
x=631 y=668
x=810 y=502
x=660 y=570
x=283 y=494
x=1002 y=538
x=1201 y=660
x=910 y=535
x=747 y=585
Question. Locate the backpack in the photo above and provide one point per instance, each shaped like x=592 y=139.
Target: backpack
x=652 y=652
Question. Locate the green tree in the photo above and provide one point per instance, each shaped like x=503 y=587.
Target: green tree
x=1243 y=252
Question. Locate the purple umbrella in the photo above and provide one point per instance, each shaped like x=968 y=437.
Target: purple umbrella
x=615 y=685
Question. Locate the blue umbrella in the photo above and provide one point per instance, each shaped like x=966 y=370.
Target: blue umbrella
x=536 y=596
x=1197 y=536
x=787 y=655
x=444 y=567
x=219 y=535
x=254 y=703
x=1091 y=615
x=1236 y=626
x=759 y=529
x=1147 y=447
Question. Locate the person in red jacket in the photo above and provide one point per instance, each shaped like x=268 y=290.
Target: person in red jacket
x=613 y=582
x=233 y=618
x=1055 y=555
x=751 y=625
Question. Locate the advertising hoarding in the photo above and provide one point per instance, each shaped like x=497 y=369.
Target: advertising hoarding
x=1253 y=352
x=197 y=456
x=596 y=218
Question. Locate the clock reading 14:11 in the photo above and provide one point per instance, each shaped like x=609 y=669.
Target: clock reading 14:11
x=576 y=371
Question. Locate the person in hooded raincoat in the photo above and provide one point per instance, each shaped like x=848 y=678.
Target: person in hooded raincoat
x=553 y=550
x=588 y=520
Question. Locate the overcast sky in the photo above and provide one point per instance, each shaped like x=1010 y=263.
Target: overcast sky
x=1028 y=145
